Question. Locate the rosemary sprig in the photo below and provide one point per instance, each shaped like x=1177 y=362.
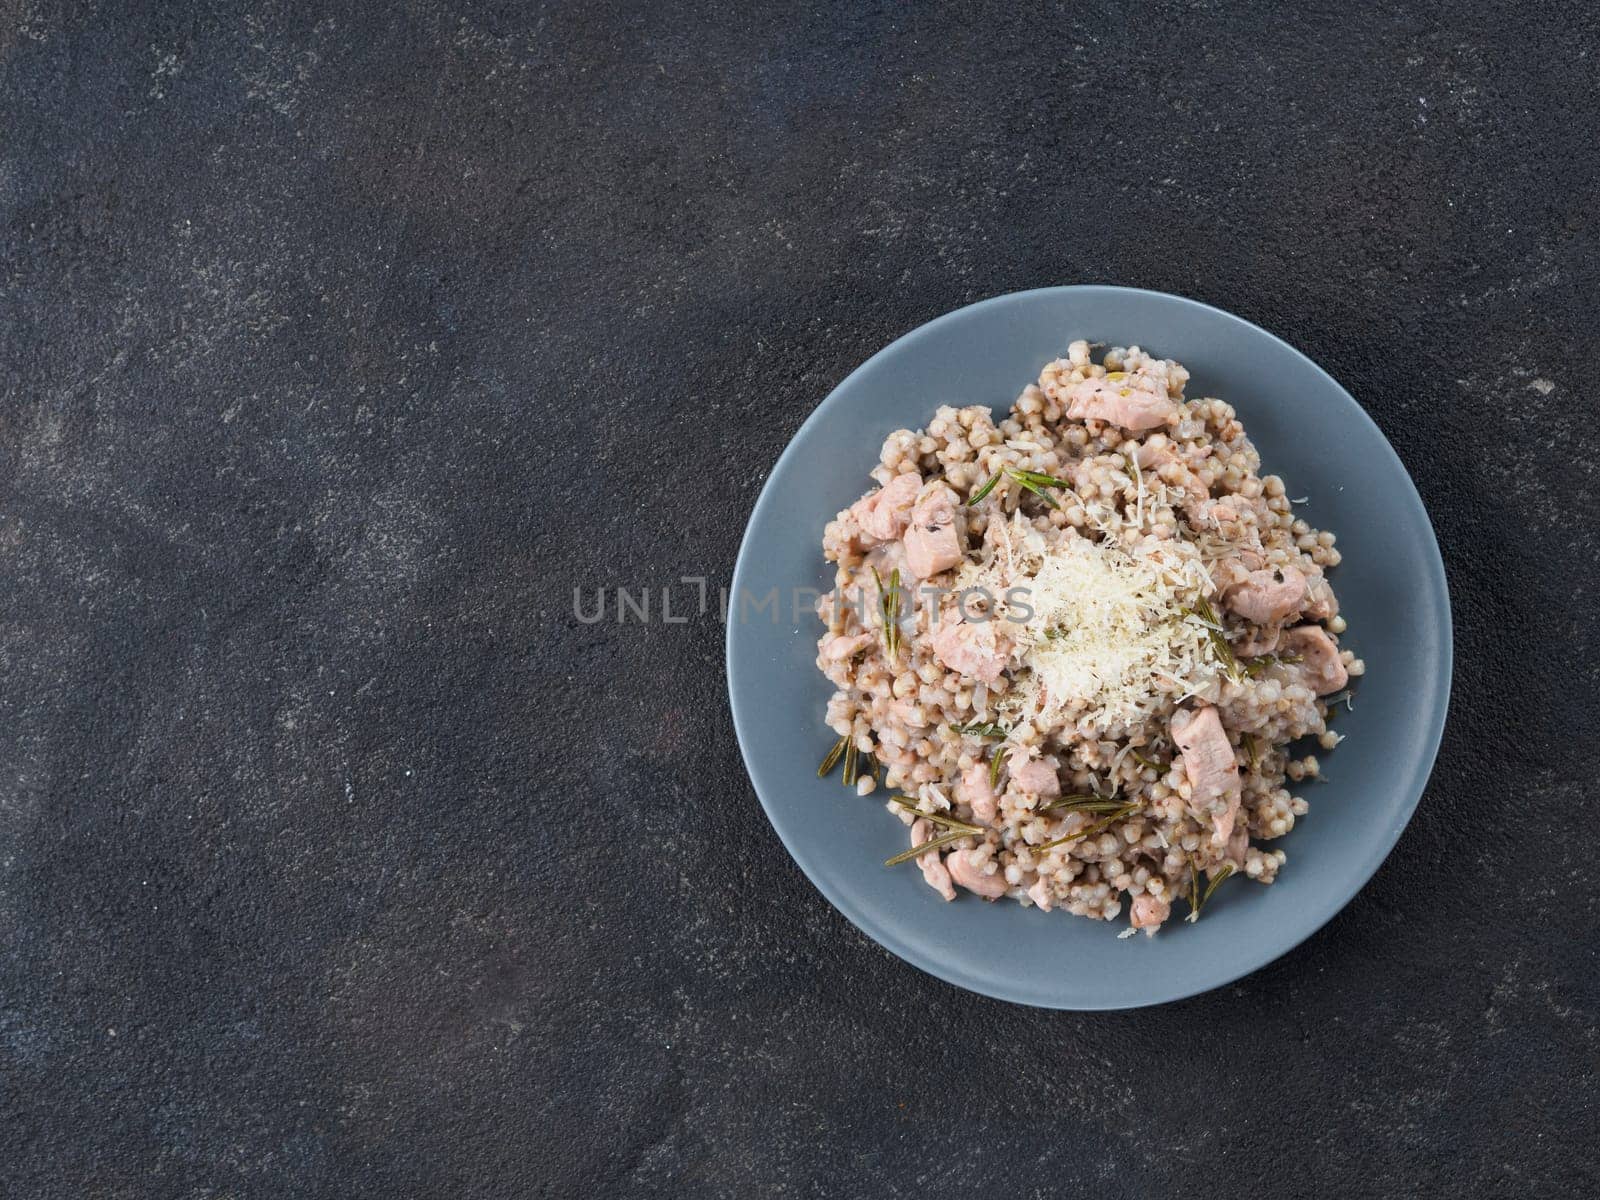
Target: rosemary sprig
x=994 y=766
x=1083 y=804
x=1033 y=481
x=985 y=489
x=832 y=760
x=1197 y=896
x=1099 y=826
x=981 y=729
x=1036 y=488
x=1202 y=610
x=937 y=818
x=938 y=843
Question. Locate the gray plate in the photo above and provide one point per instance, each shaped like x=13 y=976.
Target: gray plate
x=1391 y=587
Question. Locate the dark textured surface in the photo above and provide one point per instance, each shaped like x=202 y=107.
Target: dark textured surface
x=338 y=859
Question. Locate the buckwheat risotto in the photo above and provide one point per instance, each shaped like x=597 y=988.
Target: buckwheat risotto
x=1075 y=645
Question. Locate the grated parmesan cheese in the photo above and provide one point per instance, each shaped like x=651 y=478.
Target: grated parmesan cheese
x=1110 y=641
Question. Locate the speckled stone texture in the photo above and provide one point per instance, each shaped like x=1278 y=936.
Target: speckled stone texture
x=337 y=344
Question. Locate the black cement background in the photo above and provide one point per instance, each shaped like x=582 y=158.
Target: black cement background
x=337 y=859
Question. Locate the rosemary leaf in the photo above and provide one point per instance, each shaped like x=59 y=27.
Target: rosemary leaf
x=851 y=755
x=1213 y=881
x=985 y=489
x=1197 y=895
x=893 y=613
x=1099 y=826
x=1207 y=616
x=906 y=802
x=889 y=612
x=1038 y=478
x=1146 y=762
x=981 y=729
x=938 y=843
x=832 y=760
x=994 y=767
x=1084 y=804
x=1036 y=489
x=1253 y=667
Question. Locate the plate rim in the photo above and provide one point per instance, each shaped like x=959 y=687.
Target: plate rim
x=1247 y=964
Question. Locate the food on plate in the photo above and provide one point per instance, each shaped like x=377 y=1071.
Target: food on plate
x=1075 y=646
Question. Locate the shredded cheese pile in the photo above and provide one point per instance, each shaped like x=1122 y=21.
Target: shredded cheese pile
x=1110 y=641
